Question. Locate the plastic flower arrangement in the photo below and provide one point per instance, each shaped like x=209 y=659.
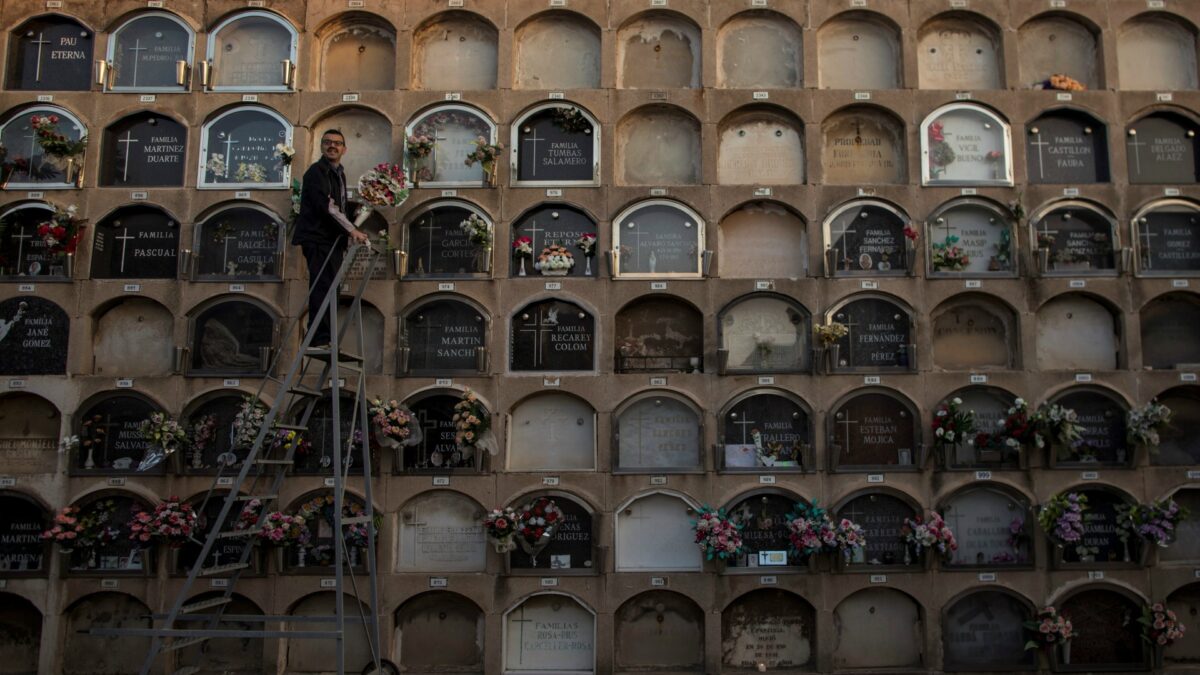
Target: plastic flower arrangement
x=811 y=530
x=470 y=419
x=934 y=535
x=1059 y=425
x=250 y=173
x=1017 y=430
x=52 y=142
x=285 y=153
x=717 y=535
x=571 y=120
x=537 y=522
x=172 y=521
x=523 y=247
x=248 y=421
x=485 y=153
x=66 y=528
x=587 y=243
x=1155 y=522
x=554 y=258
x=393 y=421
x=419 y=146
x=911 y=232
x=949 y=256
x=501 y=528
x=61 y=233
x=941 y=155
x=282 y=529
x=385 y=185
x=91 y=526
x=1063 y=83
x=163 y=431
x=477 y=229
x=216 y=165
x=850 y=539
x=952 y=425
x=1160 y=626
x=1049 y=628
x=1062 y=519
x=1143 y=425
x=831 y=332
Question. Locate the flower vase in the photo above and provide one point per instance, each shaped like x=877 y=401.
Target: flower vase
x=364 y=212
x=831 y=358
x=587 y=268
x=90 y=462
x=1064 y=652
x=481 y=258
x=521 y=271
x=489 y=177
x=908 y=555
x=354 y=556
x=1157 y=657
x=301 y=556
x=555 y=273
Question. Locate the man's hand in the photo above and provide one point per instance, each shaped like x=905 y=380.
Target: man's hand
x=359 y=237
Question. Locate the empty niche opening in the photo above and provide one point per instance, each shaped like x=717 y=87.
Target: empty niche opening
x=658 y=431
x=246 y=52
x=368 y=136
x=654 y=534
x=455 y=51
x=658 y=50
x=315 y=656
x=1180 y=443
x=358 y=53
x=1185 y=602
x=760 y=50
x=21 y=625
x=959 y=51
x=552 y=432
x=659 y=334
x=974 y=332
x=30 y=426
x=448 y=620
x=87 y=654
x=659 y=145
x=1059 y=45
x=1186 y=548
x=1077 y=332
x=863 y=146
x=675 y=621
x=440 y=531
x=572 y=648
x=1107 y=632
x=134 y=337
x=890 y=619
x=1156 y=52
x=859 y=50
x=992 y=526
x=761 y=146
x=557 y=50
x=1169 y=325
x=995 y=644
x=762 y=240
x=763 y=613
x=231 y=337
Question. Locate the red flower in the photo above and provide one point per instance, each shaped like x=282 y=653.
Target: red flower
x=935 y=132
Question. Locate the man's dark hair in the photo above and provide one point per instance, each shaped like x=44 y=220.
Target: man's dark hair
x=333 y=131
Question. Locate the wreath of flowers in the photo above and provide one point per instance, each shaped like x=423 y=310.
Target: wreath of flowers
x=392 y=419
x=1049 y=628
x=952 y=425
x=78 y=528
x=173 y=521
x=62 y=231
x=555 y=257
x=718 y=535
x=934 y=535
x=1143 y=425
x=536 y=521
x=500 y=528
x=1160 y=626
x=470 y=419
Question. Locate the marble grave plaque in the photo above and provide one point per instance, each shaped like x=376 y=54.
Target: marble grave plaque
x=144 y=150
x=881 y=517
x=874 y=430
x=556 y=146
x=240 y=149
x=658 y=238
x=1067 y=149
x=146 y=50
x=51 y=53
x=438 y=246
x=658 y=432
x=765 y=531
x=866 y=239
x=1168 y=239
x=878 y=335
x=239 y=243
x=552 y=335
x=765 y=431
x=444 y=336
x=770 y=627
x=1161 y=148
x=556 y=224
x=33 y=337
x=965 y=146
x=110 y=436
x=21 y=545
x=984 y=631
x=136 y=242
x=550 y=633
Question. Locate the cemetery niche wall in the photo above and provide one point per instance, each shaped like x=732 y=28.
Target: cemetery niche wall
x=357 y=52
x=859 y=50
x=314 y=656
x=759 y=49
x=890 y=618
x=145 y=52
x=438 y=247
x=1160 y=147
x=109 y=437
x=443 y=335
x=766 y=430
x=86 y=654
x=972 y=331
x=136 y=242
x=21 y=626
x=246 y=51
x=658 y=50
x=763 y=520
x=557 y=50
x=659 y=630
x=1180 y=442
x=971 y=237
x=237 y=150
x=990 y=406
x=555 y=144
x=27 y=164
x=29 y=431
x=1166 y=323
x=572 y=548
x=760 y=146
x=1113 y=635
x=658 y=431
x=555 y=224
x=314 y=452
x=229 y=655
x=454 y=51
x=144 y=150
x=994 y=527
x=1077 y=332
x=658 y=238
x=552 y=335
x=772 y=627
x=440 y=531
x=1186 y=548
x=22 y=550
x=238 y=242
x=1101 y=545
x=317 y=555
x=881 y=515
x=449 y=620
x=983 y=630
x=437 y=451
x=209 y=420
x=658 y=145
x=231 y=337
x=552 y=432
x=50 y=53
x=368 y=136
x=874 y=429
x=762 y=239
x=1075 y=237
x=959 y=51
x=1156 y=52
x=550 y=632
x=33 y=337
x=867 y=237
x=1184 y=601
x=1102 y=429
x=654 y=534
x=133 y=337
x=965 y=144
x=878 y=336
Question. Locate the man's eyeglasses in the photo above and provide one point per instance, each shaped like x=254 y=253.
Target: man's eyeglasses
x=335 y=143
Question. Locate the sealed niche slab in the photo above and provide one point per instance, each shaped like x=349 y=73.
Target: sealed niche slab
x=990 y=406
x=21 y=546
x=136 y=242
x=971 y=237
x=237 y=149
x=659 y=629
x=965 y=144
x=874 y=430
x=1186 y=547
x=552 y=335
x=762 y=240
x=881 y=517
x=973 y=332
x=454 y=129
x=658 y=145
x=1169 y=324
x=437 y=450
x=556 y=144
x=961 y=52
x=144 y=150
x=33 y=337
x=1067 y=148
x=1107 y=632
x=455 y=51
x=866 y=237
x=1076 y=332
x=1059 y=45
x=315 y=656
x=50 y=53
x=231 y=338
x=21 y=624
x=760 y=147
x=658 y=50
x=879 y=336
x=552 y=432
x=764 y=528
x=209 y=425
x=1101 y=543
x=859 y=50
x=229 y=655
x=438 y=246
x=440 y=531
x=572 y=547
x=30 y=165
x=362 y=267
x=1167 y=238
x=658 y=238
x=146 y=50
x=771 y=627
x=446 y=620
x=889 y=619
x=1161 y=148
x=87 y=654
x=765 y=333
x=372 y=328
x=358 y=54
x=442 y=336
x=134 y=337
x=557 y=50
x=550 y=633
x=109 y=433
x=991 y=528
x=658 y=432
x=555 y=224
x=29 y=428
x=1076 y=237
x=368 y=136
x=985 y=631
x=1184 y=601
x=766 y=430
x=1101 y=428
x=760 y=50
x=247 y=50
x=659 y=334
x=1180 y=443
x=863 y=146
x=1156 y=52
x=654 y=533
x=315 y=455
x=24 y=255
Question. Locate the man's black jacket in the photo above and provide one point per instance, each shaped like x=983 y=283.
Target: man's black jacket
x=314 y=224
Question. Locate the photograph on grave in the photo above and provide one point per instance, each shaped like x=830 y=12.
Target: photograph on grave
x=766 y=430
x=145 y=53
x=1077 y=332
x=659 y=630
x=368 y=136
x=764 y=333
x=439 y=245
x=572 y=546
x=1102 y=430
x=1185 y=550
x=224 y=551
x=317 y=509
x=550 y=633
x=1059 y=44
x=658 y=238
x=1156 y=51
x=21 y=624
x=658 y=431
x=247 y=51
x=105 y=545
x=1066 y=147
x=110 y=437
x=881 y=516
x=760 y=146
x=1074 y=237
x=1161 y=149
x=986 y=448
x=440 y=531
x=1107 y=632
x=1101 y=542
x=972 y=331
x=314 y=452
x=878 y=336
x=552 y=431
x=33 y=337
x=441 y=337
x=134 y=337
x=1169 y=325
x=29 y=429
x=557 y=50
x=231 y=654
x=654 y=534
x=771 y=628
x=763 y=520
x=22 y=549
x=863 y=146
x=868 y=237
x=658 y=50
x=1179 y=443
x=358 y=53
x=552 y=335
x=993 y=527
x=84 y=653
x=231 y=337
x=965 y=144
x=659 y=145
x=239 y=150
x=959 y=52
x=762 y=240
x=859 y=50
x=50 y=53
x=238 y=242
x=305 y=657
x=659 y=334
x=437 y=451
x=971 y=238
x=555 y=144
x=448 y=620
x=445 y=136
x=454 y=51
x=210 y=426
x=889 y=620
x=984 y=630
x=554 y=240
x=136 y=242
x=874 y=430
x=758 y=49
x=1166 y=236
x=27 y=163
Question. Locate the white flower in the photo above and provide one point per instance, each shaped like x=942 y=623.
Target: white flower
x=1019 y=402
x=940 y=432
x=949 y=435
x=957 y=401
x=941 y=413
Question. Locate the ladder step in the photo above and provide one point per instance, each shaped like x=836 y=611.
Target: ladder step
x=205 y=604
x=274 y=461
x=231 y=534
x=188 y=642
x=305 y=391
x=356 y=520
x=322 y=354
x=221 y=569
x=290 y=427
x=250 y=498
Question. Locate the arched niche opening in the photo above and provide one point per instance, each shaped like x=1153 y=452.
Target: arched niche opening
x=372 y=327
x=1060 y=44
x=315 y=656
x=859 y=50
x=766 y=430
x=1077 y=332
x=991 y=407
x=658 y=50
x=552 y=335
x=145 y=149
x=659 y=334
x=115 y=554
x=548 y=224
x=51 y=52
x=24 y=256
x=1185 y=550
x=455 y=51
x=866 y=237
x=438 y=450
x=658 y=431
x=571 y=650
x=1102 y=429
x=23 y=552
x=230 y=655
x=29 y=430
x=1161 y=148
x=1156 y=51
x=34 y=337
x=1185 y=602
x=314 y=455
x=1107 y=632
x=556 y=144
x=658 y=145
x=317 y=509
x=959 y=51
x=1168 y=325
x=891 y=620
x=879 y=335
x=21 y=626
x=1067 y=147
x=1101 y=546
x=760 y=146
x=27 y=165
x=872 y=430
x=1075 y=237
x=764 y=333
x=572 y=549
x=226 y=550
x=136 y=242
x=974 y=332
x=881 y=515
x=448 y=620
x=658 y=238
x=357 y=53
x=246 y=51
x=368 y=136
x=441 y=531
x=762 y=239
x=994 y=528
x=87 y=654
x=966 y=144
x=763 y=520
x=233 y=154
x=676 y=623
x=209 y=421
x=134 y=337
x=760 y=50
x=557 y=50
x=552 y=432
x=1179 y=444
x=144 y=53
x=863 y=146
x=1166 y=236
x=984 y=630
x=768 y=612
x=654 y=534
x=438 y=246
x=240 y=241
x=453 y=129
x=231 y=336
x=443 y=335
x=971 y=237
x=108 y=428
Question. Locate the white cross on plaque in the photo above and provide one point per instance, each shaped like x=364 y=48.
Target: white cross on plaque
x=137 y=47
x=33 y=149
x=850 y=326
x=533 y=138
x=427 y=427
x=745 y=423
x=1039 y=144
x=841 y=236
x=127 y=141
x=1137 y=145
x=41 y=40
x=431 y=228
x=229 y=143
x=21 y=245
x=1046 y=231
x=1145 y=233
x=538 y=328
x=846 y=422
x=945 y=225
x=124 y=240
x=225 y=258
x=533 y=229
x=637 y=246
x=521 y=622
x=433 y=151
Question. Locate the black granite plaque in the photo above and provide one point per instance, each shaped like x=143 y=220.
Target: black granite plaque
x=765 y=430
x=50 y=53
x=209 y=428
x=315 y=455
x=1066 y=148
x=552 y=335
x=21 y=545
x=439 y=247
x=33 y=337
x=23 y=254
x=444 y=336
x=119 y=554
x=571 y=546
x=879 y=335
x=1079 y=239
x=240 y=150
x=1161 y=148
x=26 y=163
x=1107 y=632
x=873 y=430
x=659 y=335
x=136 y=242
x=1100 y=532
x=881 y=517
x=1169 y=326
x=231 y=338
x=868 y=239
x=555 y=224
x=144 y=150
x=146 y=51
x=239 y=243
x=984 y=631
x=437 y=450
x=1168 y=239
x=659 y=238
x=225 y=550
x=556 y=146
x=764 y=530
x=110 y=436
x=1101 y=426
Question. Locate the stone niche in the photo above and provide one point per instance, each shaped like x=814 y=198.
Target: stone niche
x=1180 y=443
x=247 y=50
x=1066 y=147
x=979 y=230
x=764 y=333
x=658 y=50
x=144 y=150
x=1156 y=52
x=658 y=145
x=965 y=144
x=557 y=144
x=440 y=531
x=990 y=405
x=134 y=337
x=108 y=430
x=437 y=245
x=1102 y=428
x=50 y=53
x=659 y=334
x=368 y=141
x=319 y=552
x=959 y=51
x=315 y=656
x=768 y=626
x=231 y=655
x=659 y=630
x=21 y=634
x=439 y=632
x=571 y=550
x=557 y=50
x=372 y=327
x=1055 y=44
x=231 y=337
x=552 y=633
x=136 y=242
x=442 y=336
x=118 y=556
x=239 y=242
x=992 y=527
x=1169 y=325
x=24 y=253
x=146 y=50
x=1104 y=546
x=358 y=53
x=561 y=224
x=237 y=149
x=890 y=619
x=759 y=146
x=1185 y=602
x=319 y=459
x=879 y=336
x=859 y=50
x=873 y=430
x=760 y=50
x=763 y=520
x=86 y=654
x=456 y=51
x=437 y=450
x=29 y=429
x=22 y=550
x=208 y=421
x=552 y=335
x=984 y=631
x=1161 y=148
x=32 y=167
x=766 y=430
x=1107 y=632
x=881 y=516
x=973 y=331
x=656 y=432
x=1075 y=237
x=865 y=237
x=863 y=146
x=1166 y=236
x=1077 y=332
x=552 y=432
x=762 y=240
x=654 y=534
x=224 y=551
x=1186 y=548
x=34 y=336
x=453 y=129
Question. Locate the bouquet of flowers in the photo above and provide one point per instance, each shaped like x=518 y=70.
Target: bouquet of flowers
x=61 y=233
x=172 y=521
x=501 y=528
x=1063 y=83
x=1160 y=626
x=952 y=425
x=554 y=259
x=1049 y=628
x=385 y=185
x=66 y=528
x=477 y=229
x=1062 y=519
x=717 y=535
x=911 y=232
x=322 y=507
x=587 y=243
x=472 y=424
x=523 y=247
x=811 y=530
x=1015 y=431
x=941 y=155
x=571 y=120
x=395 y=423
x=1143 y=426
x=216 y=165
x=248 y=518
x=831 y=332
x=1058 y=425
x=203 y=431
x=282 y=529
x=250 y=173
x=486 y=154
x=89 y=528
x=537 y=522
x=165 y=436
x=285 y=153
x=54 y=143
x=357 y=535
x=949 y=256
x=850 y=539
x=934 y=535
x=248 y=421
x=1155 y=522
